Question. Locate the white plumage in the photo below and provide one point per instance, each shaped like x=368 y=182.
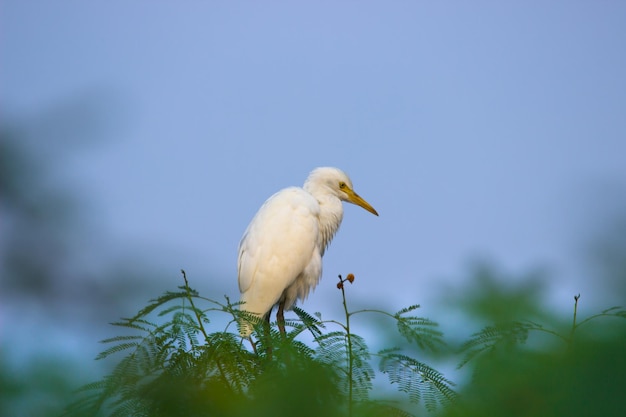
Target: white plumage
x=280 y=253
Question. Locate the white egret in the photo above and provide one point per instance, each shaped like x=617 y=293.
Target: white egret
x=280 y=253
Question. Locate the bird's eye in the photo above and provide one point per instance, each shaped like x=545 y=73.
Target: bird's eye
x=342 y=185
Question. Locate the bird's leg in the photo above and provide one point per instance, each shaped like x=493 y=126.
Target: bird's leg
x=253 y=345
x=268 y=336
x=280 y=317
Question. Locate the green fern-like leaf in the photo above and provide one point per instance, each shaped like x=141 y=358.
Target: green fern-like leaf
x=313 y=324
x=362 y=371
x=421 y=331
x=418 y=380
x=408 y=309
x=165 y=298
x=616 y=311
x=117 y=348
x=505 y=334
x=223 y=358
x=135 y=324
x=334 y=350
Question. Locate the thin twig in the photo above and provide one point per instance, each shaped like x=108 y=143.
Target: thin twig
x=551 y=332
x=200 y=325
x=571 y=335
x=348 y=336
x=370 y=310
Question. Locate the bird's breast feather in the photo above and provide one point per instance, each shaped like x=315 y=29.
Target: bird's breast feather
x=280 y=240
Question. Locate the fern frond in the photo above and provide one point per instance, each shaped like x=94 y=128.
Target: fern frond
x=84 y=405
x=92 y=386
x=170 y=309
x=616 y=311
x=505 y=334
x=130 y=407
x=163 y=299
x=333 y=350
x=419 y=330
x=120 y=338
x=117 y=348
x=362 y=371
x=418 y=380
x=183 y=329
x=135 y=324
x=313 y=324
x=407 y=309
x=224 y=358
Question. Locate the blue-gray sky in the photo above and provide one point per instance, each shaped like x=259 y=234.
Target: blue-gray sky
x=476 y=129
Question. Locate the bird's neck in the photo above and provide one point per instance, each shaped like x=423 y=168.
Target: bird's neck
x=331 y=214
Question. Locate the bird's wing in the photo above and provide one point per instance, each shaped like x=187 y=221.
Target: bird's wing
x=277 y=246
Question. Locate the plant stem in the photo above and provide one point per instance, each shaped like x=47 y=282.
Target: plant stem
x=200 y=325
x=348 y=336
x=571 y=335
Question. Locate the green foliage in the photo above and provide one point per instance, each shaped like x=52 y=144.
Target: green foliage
x=171 y=365
x=508 y=336
x=178 y=362
x=490 y=338
x=420 y=330
x=416 y=379
x=582 y=374
x=351 y=359
x=40 y=386
x=583 y=379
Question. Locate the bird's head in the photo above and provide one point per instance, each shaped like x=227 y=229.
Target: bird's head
x=335 y=182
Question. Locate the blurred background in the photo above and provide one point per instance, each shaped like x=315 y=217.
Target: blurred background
x=139 y=138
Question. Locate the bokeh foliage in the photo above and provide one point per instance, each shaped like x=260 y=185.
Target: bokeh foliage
x=182 y=366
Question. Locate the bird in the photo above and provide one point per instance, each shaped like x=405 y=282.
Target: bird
x=280 y=252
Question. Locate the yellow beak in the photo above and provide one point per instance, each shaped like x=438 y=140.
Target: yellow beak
x=354 y=198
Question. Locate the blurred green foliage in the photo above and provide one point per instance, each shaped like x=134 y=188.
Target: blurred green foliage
x=529 y=361
x=490 y=295
x=175 y=366
x=42 y=386
x=585 y=379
